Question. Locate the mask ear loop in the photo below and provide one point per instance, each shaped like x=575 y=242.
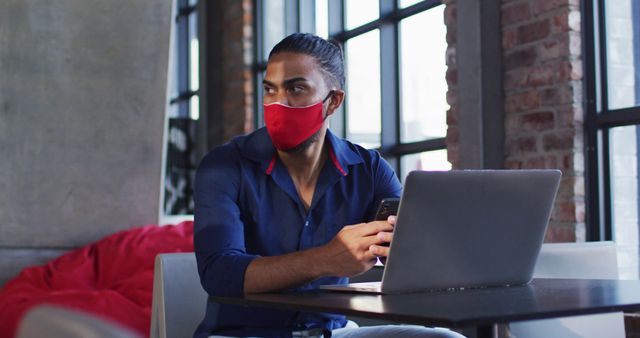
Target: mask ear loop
x=325 y=100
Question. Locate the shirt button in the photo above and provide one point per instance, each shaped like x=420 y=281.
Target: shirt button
x=306 y=223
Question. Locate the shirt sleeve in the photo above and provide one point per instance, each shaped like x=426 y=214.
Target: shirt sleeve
x=385 y=180
x=218 y=230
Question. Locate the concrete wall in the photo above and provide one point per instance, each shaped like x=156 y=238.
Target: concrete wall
x=82 y=100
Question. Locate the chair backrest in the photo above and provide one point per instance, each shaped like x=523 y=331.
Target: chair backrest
x=596 y=260
x=56 y=322
x=179 y=301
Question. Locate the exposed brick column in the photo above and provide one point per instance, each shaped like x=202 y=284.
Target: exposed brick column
x=543 y=101
x=237 y=75
x=226 y=80
x=450 y=19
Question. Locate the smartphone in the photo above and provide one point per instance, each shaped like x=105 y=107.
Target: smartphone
x=387 y=207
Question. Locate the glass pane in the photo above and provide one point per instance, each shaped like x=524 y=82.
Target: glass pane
x=623 y=58
x=435 y=160
x=407 y=3
x=260 y=116
x=173 y=70
x=183 y=109
x=363 y=89
x=180 y=165
x=359 y=12
x=174 y=111
x=194 y=57
x=322 y=18
x=624 y=194
x=194 y=107
x=423 y=82
x=273 y=25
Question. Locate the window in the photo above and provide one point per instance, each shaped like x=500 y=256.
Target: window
x=183 y=111
x=395 y=64
x=612 y=126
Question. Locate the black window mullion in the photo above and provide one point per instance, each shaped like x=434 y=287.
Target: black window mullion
x=350 y=34
x=184 y=96
x=388 y=17
x=402 y=149
x=602 y=46
x=607 y=218
x=592 y=180
x=259 y=117
x=184 y=9
x=619 y=117
x=336 y=25
x=389 y=92
x=182 y=28
x=417 y=8
x=258 y=28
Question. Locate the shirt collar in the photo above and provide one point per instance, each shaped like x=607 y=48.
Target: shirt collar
x=258 y=147
x=345 y=153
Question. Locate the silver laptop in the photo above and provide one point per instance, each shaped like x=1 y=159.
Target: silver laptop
x=466 y=229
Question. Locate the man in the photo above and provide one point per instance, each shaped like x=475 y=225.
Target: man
x=286 y=207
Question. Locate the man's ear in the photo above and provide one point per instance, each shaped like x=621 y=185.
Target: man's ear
x=335 y=101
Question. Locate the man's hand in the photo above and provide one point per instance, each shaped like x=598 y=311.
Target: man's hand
x=349 y=253
x=385 y=237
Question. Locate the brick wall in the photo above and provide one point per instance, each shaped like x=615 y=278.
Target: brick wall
x=450 y=20
x=237 y=58
x=543 y=100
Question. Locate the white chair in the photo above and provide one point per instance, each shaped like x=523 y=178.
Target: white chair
x=179 y=301
x=595 y=260
x=56 y=322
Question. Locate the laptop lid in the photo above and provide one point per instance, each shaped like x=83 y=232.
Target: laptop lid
x=469 y=228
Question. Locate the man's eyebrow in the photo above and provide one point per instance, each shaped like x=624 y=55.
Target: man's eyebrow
x=287 y=82
x=294 y=80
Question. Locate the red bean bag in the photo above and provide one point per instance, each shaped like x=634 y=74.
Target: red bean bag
x=112 y=278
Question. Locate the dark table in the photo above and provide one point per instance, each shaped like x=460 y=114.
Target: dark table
x=473 y=310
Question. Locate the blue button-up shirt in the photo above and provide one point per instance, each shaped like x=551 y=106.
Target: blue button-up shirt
x=246 y=206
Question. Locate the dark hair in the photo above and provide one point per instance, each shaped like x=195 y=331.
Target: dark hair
x=328 y=54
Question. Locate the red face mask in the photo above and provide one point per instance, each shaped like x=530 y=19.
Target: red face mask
x=289 y=126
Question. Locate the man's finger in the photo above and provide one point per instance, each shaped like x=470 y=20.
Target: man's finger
x=372 y=228
x=385 y=236
x=392 y=220
x=369 y=241
x=370 y=256
x=379 y=251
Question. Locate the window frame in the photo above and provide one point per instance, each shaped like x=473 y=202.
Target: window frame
x=299 y=16
x=183 y=55
x=181 y=100
x=600 y=119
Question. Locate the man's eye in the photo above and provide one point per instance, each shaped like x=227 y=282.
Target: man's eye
x=268 y=90
x=296 y=89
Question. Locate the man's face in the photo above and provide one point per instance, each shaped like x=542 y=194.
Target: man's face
x=294 y=79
